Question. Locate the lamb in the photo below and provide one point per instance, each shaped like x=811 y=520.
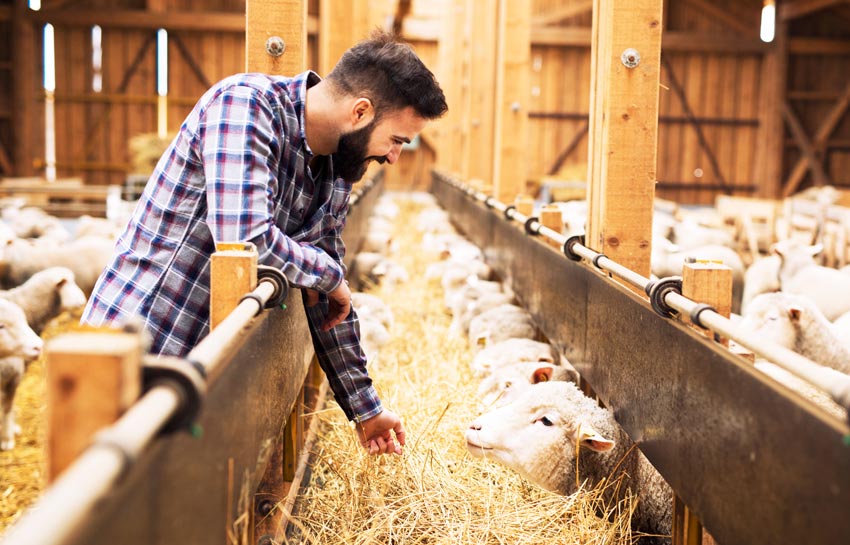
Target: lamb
x=827 y=287
x=46 y=295
x=33 y=222
x=461 y=317
x=372 y=306
x=513 y=351
x=97 y=227
x=499 y=324
x=458 y=268
x=761 y=277
x=373 y=336
x=374 y=268
x=508 y=382
x=19 y=345
x=796 y=323
x=86 y=257
x=537 y=436
x=455 y=300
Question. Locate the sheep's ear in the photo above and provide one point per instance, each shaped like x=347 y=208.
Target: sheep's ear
x=795 y=312
x=592 y=439
x=62 y=282
x=542 y=374
x=815 y=249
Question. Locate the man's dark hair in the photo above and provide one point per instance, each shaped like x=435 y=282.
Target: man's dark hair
x=389 y=73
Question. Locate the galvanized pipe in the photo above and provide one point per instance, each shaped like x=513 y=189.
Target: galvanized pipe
x=836 y=384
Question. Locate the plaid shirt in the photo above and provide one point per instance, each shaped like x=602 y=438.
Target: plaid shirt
x=238 y=171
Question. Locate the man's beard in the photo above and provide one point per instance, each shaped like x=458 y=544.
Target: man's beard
x=350 y=160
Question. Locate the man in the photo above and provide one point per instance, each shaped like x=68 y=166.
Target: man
x=271 y=160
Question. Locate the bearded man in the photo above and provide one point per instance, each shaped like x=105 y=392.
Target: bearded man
x=271 y=160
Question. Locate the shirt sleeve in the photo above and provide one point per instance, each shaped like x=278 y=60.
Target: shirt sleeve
x=344 y=363
x=241 y=147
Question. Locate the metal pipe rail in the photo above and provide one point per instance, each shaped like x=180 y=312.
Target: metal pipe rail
x=836 y=384
x=93 y=474
x=757 y=462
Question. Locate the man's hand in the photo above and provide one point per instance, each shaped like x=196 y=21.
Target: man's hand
x=339 y=305
x=376 y=434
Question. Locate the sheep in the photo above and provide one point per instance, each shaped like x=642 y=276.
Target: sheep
x=508 y=382
x=86 y=257
x=668 y=260
x=538 y=435
x=97 y=227
x=827 y=287
x=689 y=234
x=761 y=277
x=374 y=268
x=455 y=300
x=379 y=241
x=33 y=222
x=459 y=269
x=802 y=387
x=465 y=313
x=372 y=306
x=46 y=295
x=513 y=351
x=373 y=336
x=795 y=322
x=499 y=324
x=19 y=345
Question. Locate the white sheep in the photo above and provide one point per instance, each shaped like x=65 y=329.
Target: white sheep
x=499 y=324
x=19 y=345
x=372 y=306
x=537 y=435
x=689 y=234
x=97 y=227
x=795 y=322
x=512 y=351
x=373 y=336
x=86 y=257
x=462 y=316
x=374 y=268
x=46 y=295
x=762 y=276
x=508 y=382
x=35 y=223
x=827 y=287
x=458 y=269
x=455 y=300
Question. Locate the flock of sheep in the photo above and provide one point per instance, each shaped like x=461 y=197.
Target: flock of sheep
x=538 y=422
x=45 y=270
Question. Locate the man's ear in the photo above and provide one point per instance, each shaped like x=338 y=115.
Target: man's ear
x=362 y=112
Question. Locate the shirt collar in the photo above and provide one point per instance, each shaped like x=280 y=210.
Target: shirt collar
x=298 y=95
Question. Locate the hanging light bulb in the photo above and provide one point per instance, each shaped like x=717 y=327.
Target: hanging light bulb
x=768 y=21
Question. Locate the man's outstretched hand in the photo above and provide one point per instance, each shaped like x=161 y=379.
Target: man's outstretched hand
x=339 y=304
x=376 y=434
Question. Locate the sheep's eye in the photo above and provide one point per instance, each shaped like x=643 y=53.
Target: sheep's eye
x=508 y=384
x=545 y=421
x=2 y=326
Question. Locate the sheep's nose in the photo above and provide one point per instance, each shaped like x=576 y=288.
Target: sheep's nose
x=475 y=426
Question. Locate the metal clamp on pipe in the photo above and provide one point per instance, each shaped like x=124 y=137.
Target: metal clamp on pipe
x=697 y=310
x=490 y=202
x=530 y=229
x=569 y=247
x=281 y=285
x=181 y=376
x=657 y=292
x=509 y=212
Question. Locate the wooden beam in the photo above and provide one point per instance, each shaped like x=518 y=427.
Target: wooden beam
x=800 y=8
x=336 y=33
x=285 y=19
x=686 y=107
x=25 y=91
x=805 y=145
x=402 y=10
x=671 y=41
x=728 y=19
x=482 y=84
x=560 y=13
x=623 y=130
x=571 y=147
x=830 y=122
x=513 y=99
x=190 y=60
x=769 y=143
x=449 y=74
x=818 y=46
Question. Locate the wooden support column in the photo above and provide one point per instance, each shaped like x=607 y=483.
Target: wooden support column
x=446 y=131
x=233 y=273
x=550 y=216
x=284 y=19
x=771 y=133
x=336 y=32
x=24 y=91
x=709 y=282
x=623 y=129
x=92 y=378
x=482 y=81
x=513 y=99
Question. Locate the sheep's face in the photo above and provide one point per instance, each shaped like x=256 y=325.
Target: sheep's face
x=16 y=337
x=773 y=317
x=507 y=383
x=536 y=435
x=70 y=294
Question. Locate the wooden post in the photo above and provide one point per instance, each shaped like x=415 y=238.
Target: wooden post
x=268 y=20
x=524 y=205
x=482 y=82
x=286 y=19
x=513 y=99
x=771 y=131
x=709 y=282
x=446 y=131
x=623 y=129
x=92 y=378
x=336 y=32
x=24 y=118
x=550 y=216
x=233 y=273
